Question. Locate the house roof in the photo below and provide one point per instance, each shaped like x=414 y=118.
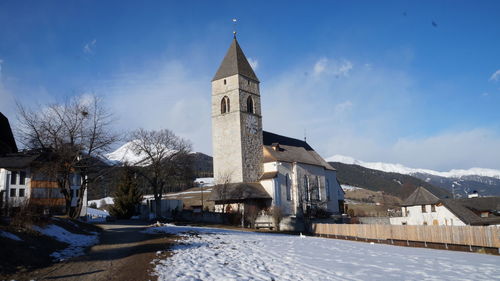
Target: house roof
x=7 y=141
x=18 y=160
x=285 y=149
x=465 y=209
x=237 y=192
x=421 y=196
x=235 y=62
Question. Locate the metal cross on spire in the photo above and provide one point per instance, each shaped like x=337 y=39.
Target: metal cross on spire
x=234 y=27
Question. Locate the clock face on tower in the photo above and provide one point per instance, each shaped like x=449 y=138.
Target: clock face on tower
x=251 y=124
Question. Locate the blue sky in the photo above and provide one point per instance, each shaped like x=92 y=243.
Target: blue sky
x=375 y=80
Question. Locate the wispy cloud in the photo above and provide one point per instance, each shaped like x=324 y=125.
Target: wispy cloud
x=253 y=63
x=495 y=76
x=89 y=47
x=332 y=67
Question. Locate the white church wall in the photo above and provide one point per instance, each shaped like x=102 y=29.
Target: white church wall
x=313 y=172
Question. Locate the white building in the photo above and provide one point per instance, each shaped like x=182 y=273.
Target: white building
x=422 y=207
x=259 y=168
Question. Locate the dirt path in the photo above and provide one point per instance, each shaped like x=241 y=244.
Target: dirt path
x=123 y=254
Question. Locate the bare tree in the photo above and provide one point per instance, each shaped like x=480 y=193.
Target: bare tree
x=73 y=135
x=277 y=215
x=165 y=159
x=222 y=182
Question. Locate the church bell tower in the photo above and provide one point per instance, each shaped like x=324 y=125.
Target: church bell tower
x=236 y=120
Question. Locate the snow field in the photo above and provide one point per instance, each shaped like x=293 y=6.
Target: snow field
x=77 y=242
x=215 y=254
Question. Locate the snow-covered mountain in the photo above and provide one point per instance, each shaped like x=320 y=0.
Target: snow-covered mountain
x=400 y=169
x=125 y=154
x=458 y=181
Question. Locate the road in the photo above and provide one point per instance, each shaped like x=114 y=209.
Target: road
x=124 y=253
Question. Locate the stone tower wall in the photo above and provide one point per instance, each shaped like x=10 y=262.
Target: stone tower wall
x=237 y=151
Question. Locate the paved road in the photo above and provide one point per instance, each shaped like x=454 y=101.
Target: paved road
x=124 y=253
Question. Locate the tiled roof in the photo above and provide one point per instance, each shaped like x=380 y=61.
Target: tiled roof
x=465 y=209
x=285 y=149
x=421 y=196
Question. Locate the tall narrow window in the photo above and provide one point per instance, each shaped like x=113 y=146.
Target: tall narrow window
x=224 y=105
x=327 y=187
x=306 y=188
x=288 y=188
x=318 y=189
x=13 y=178
x=22 y=178
x=250 y=105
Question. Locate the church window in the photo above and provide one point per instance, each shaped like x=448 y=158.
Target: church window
x=250 y=105
x=306 y=188
x=224 y=105
x=288 y=188
x=318 y=189
x=225 y=82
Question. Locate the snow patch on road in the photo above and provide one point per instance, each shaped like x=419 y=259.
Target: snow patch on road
x=217 y=254
x=77 y=242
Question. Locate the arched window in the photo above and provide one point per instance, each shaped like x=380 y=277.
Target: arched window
x=288 y=188
x=224 y=105
x=250 y=105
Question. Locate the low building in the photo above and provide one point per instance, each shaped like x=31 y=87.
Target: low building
x=423 y=207
x=22 y=182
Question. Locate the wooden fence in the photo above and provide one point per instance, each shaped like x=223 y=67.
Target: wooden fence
x=482 y=236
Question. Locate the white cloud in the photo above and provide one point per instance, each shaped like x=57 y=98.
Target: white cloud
x=320 y=66
x=89 y=47
x=253 y=63
x=332 y=67
x=495 y=76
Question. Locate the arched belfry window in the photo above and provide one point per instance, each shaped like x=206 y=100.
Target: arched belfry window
x=224 y=105
x=250 y=105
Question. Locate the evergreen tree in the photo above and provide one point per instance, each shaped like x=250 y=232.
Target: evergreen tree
x=127 y=196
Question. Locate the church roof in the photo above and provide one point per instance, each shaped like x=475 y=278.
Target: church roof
x=270 y=138
x=235 y=62
x=421 y=196
x=7 y=141
x=281 y=148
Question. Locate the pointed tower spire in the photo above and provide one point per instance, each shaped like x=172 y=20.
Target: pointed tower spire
x=235 y=62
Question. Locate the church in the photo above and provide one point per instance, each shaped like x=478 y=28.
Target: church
x=253 y=167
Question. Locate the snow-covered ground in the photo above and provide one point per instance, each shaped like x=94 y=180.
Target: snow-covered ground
x=10 y=235
x=216 y=254
x=99 y=202
x=398 y=168
x=77 y=242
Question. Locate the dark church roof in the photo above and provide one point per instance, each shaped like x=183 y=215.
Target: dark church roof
x=7 y=141
x=235 y=62
x=270 y=138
